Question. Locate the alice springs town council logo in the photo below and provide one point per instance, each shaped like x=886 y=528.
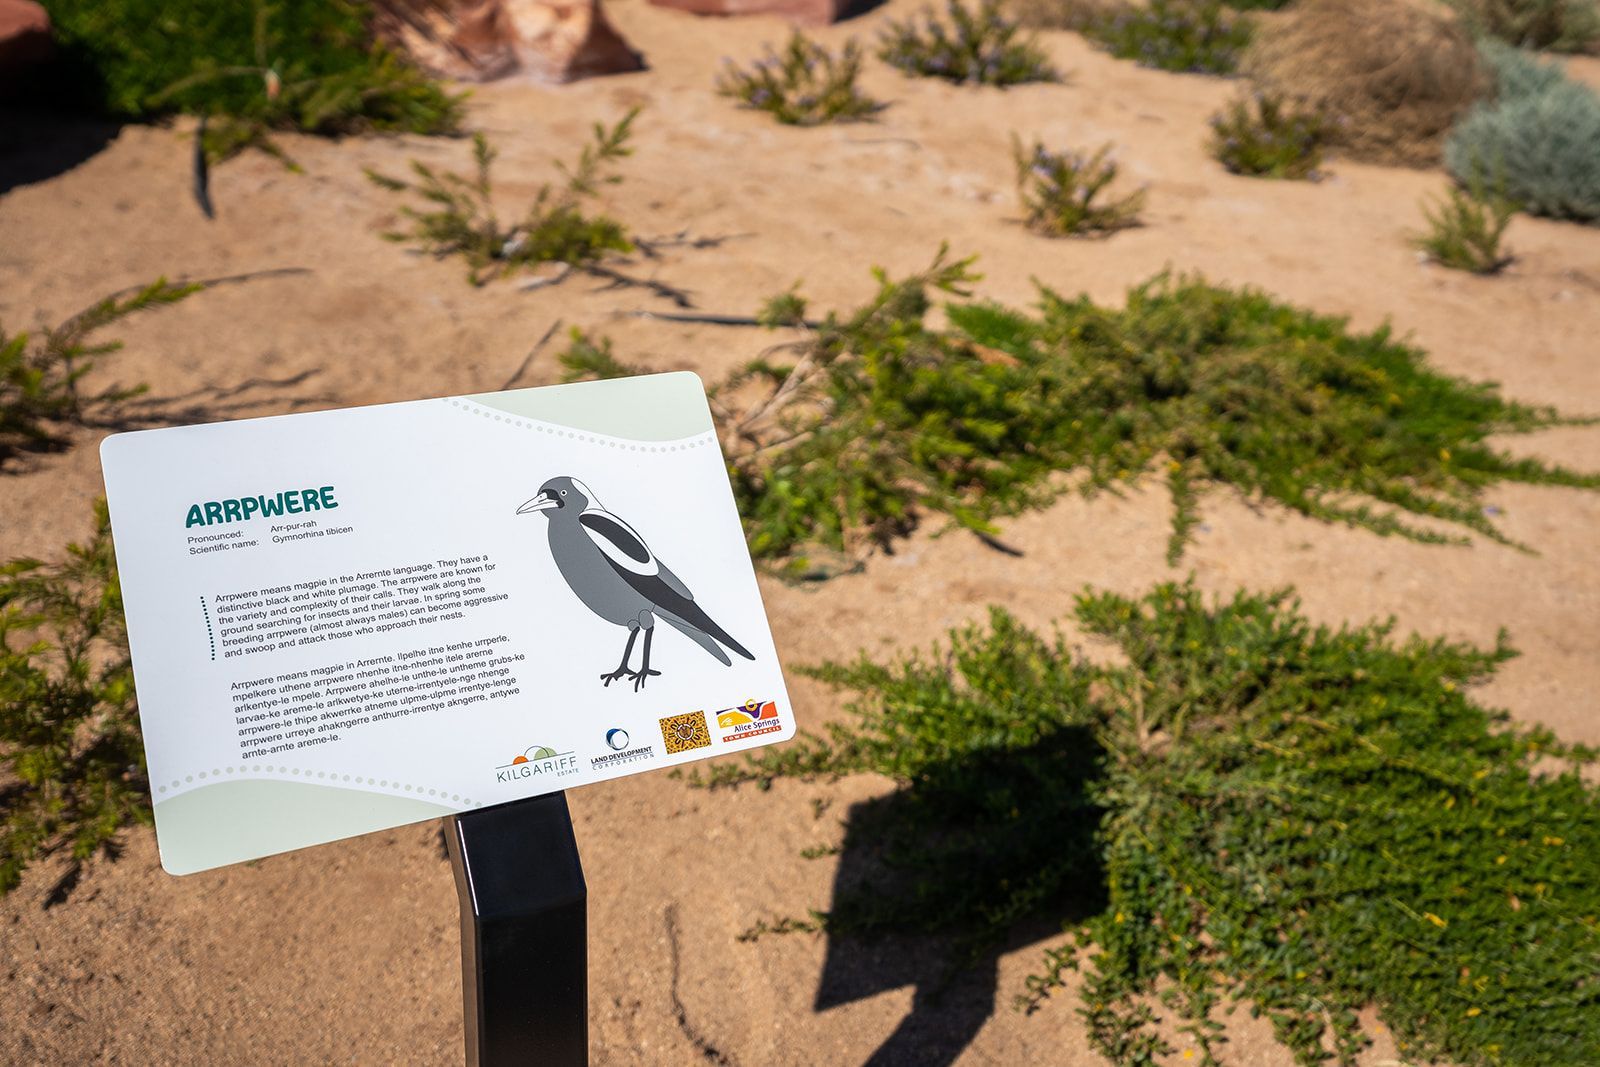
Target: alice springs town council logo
x=750 y=719
x=538 y=761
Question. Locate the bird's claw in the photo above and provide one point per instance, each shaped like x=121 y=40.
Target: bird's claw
x=636 y=677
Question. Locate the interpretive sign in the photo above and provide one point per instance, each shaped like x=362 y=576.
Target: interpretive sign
x=343 y=621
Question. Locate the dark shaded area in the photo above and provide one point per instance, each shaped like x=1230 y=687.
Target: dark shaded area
x=215 y=403
x=979 y=856
x=206 y=404
x=253 y=397
x=38 y=144
x=857 y=8
x=110 y=850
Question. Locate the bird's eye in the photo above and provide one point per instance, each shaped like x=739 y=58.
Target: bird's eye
x=563 y=492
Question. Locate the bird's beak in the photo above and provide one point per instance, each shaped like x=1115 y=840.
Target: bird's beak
x=542 y=502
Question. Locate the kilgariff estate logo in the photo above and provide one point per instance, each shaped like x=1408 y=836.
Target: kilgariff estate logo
x=750 y=719
x=538 y=761
x=621 y=751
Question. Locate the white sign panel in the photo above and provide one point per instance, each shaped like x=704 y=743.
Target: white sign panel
x=348 y=620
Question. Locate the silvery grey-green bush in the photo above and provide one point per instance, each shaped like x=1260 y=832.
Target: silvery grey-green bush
x=1539 y=139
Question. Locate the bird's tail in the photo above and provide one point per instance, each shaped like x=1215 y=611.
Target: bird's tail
x=699 y=637
x=694 y=615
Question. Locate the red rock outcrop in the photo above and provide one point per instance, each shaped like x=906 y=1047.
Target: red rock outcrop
x=481 y=40
x=804 y=12
x=24 y=40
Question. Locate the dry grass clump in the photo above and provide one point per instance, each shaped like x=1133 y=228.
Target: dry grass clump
x=1393 y=75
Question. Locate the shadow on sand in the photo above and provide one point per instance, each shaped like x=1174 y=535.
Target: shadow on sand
x=978 y=857
x=37 y=145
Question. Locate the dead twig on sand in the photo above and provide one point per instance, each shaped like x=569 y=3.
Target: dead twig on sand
x=534 y=351
x=713 y=319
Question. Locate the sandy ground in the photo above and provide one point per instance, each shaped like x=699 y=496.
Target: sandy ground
x=347 y=953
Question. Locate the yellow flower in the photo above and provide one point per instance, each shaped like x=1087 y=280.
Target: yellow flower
x=1434 y=919
x=1499 y=860
x=1555 y=840
x=1474 y=1011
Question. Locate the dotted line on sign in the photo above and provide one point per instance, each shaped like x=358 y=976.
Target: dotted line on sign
x=580 y=435
x=209 y=635
x=328 y=776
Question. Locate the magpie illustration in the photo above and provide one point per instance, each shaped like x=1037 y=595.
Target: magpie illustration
x=609 y=567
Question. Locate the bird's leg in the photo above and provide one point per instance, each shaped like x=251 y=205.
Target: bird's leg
x=622 y=668
x=639 y=676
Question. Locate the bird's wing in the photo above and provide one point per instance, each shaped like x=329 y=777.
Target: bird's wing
x=620 y=543
x=674 y=581
x=632 y=559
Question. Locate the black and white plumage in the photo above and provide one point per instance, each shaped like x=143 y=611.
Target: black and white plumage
x=609 y=567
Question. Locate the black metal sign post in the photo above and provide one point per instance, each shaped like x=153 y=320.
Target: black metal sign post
x=524 y=934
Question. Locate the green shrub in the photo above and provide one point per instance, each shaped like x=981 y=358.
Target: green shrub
x=805 y=86
x=875 y=420
x=1061 y=192
x=1465 y=228
x=979 y=47
x=69 y=731
x=1265 y=137
x=40 y=376
x=1558 y=25
x=787 y=308
x=587 y=357
x=1540 y=136
x=1186 y=36
x=1246 y=806
x=309 y=65
x=461 y=220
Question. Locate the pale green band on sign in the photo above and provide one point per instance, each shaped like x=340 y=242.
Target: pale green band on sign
x=223 y=823
x=646 y=408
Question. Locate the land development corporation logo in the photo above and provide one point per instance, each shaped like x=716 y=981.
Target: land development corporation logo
x=538 y=761
x=623 y=751
x=750 y=719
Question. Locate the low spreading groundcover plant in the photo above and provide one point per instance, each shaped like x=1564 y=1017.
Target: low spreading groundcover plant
x=308 y=65
x=845 y=437
x=1247 y=808
x=69 y=730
